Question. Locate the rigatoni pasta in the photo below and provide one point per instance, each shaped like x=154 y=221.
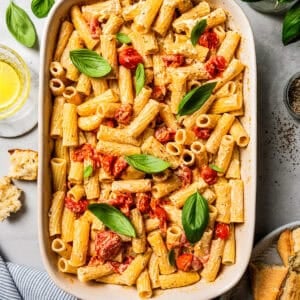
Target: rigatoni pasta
x=102 y=124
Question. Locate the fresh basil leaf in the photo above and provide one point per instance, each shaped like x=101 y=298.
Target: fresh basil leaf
x=112 y=218
x=41 y=8
x=195 y=98
x=90 y=63
x=197 y=31
x=216 y=168
x=88 y=171
x=123 y=38
x=139 y=78
x=195 y=217
x=147 y=163
x=291 y=25
x=20 y=25
x=171 y=257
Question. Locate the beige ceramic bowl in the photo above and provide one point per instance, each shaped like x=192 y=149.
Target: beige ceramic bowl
x=244 y=233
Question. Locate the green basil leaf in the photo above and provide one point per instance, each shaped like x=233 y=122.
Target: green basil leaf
x=123 y=38
x=197 y=31
x=147 y=163
x=20 y=25
x=41 y=8
x=88 y=171
x=90 y=63
x=216 y=168
x=112 y=218
x=195 y=98
x=139 y=78
x=195 y=217
x=291 y=25
x=171 y=257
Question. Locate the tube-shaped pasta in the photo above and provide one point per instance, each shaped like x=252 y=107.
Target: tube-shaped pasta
x=209 y=195
x=76 y=172
x=92 y=187
x=213 y=213
x=223 y=202
x=132 y=186
x=184 y=137
x=207 y=121
x=88 y=273
x=219 y=30
x=159 y=248
x=184 y=6
x=202 y=248
x=178 y=279
x=114 y=278
x=57 y=86
x=145 y=117
x=174 y=148
x=55 y=213
x=69 y=125
x=200 y=153
x=143 y=285
x=90 y=106
x=161 y=189
x=132 y=173
x=90 y=123
x=239 y=134
x=149 y=10
x=153 y=269
x=167 y=116
x=112 y=26
x=229 y=45
x=227 y=89
x=66 y=30
x=138 y=243
x=56 y=130
x=99 y=85
x=71 y=95
x=82 y=28
x=227 y=104
x=159 y=70
x=59 y=174
x=84 y=85
x=229 y=248
x=109 y=52
x=57 y=70
x=151 y=224
x=131 y=11
x=80 y=242
x=237 y=201
x=225 y=153
x=223 y=126
x=117 y=149
x=64 y=266
x=174 y=214
x=234 y=170
x=61 y=248
x=125 y=85
x=174 y=233
x=67 y=225
x=76 y=192
x=187 y=158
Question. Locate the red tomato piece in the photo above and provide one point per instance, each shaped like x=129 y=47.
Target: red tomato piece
x=161 y=214
x=215 y=66
x=159 y=92
x=119 y=166
x=186 y=175
x=142 y=201
x=121 y=267
x=202 y=133
x=130 y=58
x=83 y=152
x=209 y=39
x=173 y=60
x=184 y=262
x=124 y=201
x=164 y=134
x=124 y=114
x=196 y=264
x=76 y=207
x=222 y=231
x=95 y=28
x=107 y=245
x=107 y=162
x=209 y=175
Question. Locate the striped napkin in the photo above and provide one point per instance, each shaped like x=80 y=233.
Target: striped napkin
x=21 y=282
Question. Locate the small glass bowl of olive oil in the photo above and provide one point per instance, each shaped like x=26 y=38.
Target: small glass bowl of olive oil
x=16 y=108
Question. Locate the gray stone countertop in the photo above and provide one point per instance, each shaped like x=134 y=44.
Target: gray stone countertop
x=278 y=195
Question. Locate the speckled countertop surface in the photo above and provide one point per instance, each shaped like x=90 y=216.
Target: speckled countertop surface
x=278 y=195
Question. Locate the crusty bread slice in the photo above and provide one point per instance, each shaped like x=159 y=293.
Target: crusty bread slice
x=23 y=164
x=267 y=281
x=291 y=290
x=284 y=246
x=9 y=198
x=296 y=239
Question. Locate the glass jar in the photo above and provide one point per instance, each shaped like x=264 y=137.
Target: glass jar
x=18 y=110
x=272 y=6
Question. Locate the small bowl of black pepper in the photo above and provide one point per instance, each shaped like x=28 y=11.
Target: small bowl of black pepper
x=292 y=96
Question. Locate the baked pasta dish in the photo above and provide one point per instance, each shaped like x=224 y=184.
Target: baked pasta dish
x=146 y=179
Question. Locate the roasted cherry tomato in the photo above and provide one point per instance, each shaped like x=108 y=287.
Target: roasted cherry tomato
x=121 y=267
x=209 y=175
x=130 y=58
x=202 y=133
x=124 y=114
x=209 y=39
x=77 y=207
x=95 y=28
x=142 y=201
x=107 y=163
x=122 y=200
x=159 y=92
x=184 y=262
x=119 y=166
x=186 y=175
x=173 y=60
x=222 y=231
x=215 y=66
x=161 y=214
x=164 y=134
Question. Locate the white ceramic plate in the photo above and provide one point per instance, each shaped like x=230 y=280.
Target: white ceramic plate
x=244 y=233
x=264 y=252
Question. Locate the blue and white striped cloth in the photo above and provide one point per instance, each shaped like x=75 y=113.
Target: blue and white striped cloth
x=25 y=283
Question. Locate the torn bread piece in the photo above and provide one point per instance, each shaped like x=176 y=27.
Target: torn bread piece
x=267 y=281
x=296 y=239
x=291 y=290
x=284 y=246
x=23 y=164
x=294 y=262
x=9 y=198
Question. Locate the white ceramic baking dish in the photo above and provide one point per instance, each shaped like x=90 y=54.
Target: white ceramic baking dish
x=244 y=233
